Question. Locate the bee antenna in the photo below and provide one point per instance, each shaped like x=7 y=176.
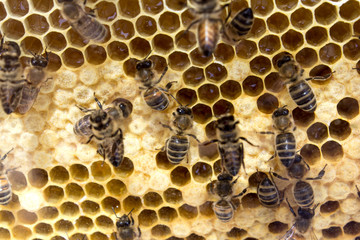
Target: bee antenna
x=115 y=212
x=130 y=211
x=6 y=154
x=98 y=102
x=34 y=55
x=148 y=55
x=175 y=99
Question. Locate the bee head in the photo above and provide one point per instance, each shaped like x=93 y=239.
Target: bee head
x=124 y=106
x=144 y=64
x=124 y=221
x=281 y=118
x=226 y=122
x=99 y=117
x=224 y=177
x=288 y=68
x=39 y=61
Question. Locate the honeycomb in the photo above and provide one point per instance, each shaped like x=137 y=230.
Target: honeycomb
x=61 y=186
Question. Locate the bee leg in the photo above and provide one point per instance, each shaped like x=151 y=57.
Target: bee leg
x=115 y=236
x=209 y=142
x=319 y=78
x=320 y=175
x=358 y=191
x=101 y=152
x=166 y=126
x=83 y=109
x=89 y=139
x=267 y=133
x=193 y=136
x=131 y=220
x=2 y=43
x=139 y=231
x=241 y=193
x=187 y=29
x=278 y=176
x=6 y=154
x=242 y=138
x=291 y=209
x=162 y=75
x=97 y=101
x=356 y=68
x=271 y=158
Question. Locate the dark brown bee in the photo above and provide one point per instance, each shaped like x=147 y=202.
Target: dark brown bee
x=268 y=193
x=11 y=79
x=81 y=21
x=230 y=147
x=238 y=27
x=36 y=76
x=224 y=209
x=125 y=229
x=5 y=187
x=155 y=97
x=177 y=146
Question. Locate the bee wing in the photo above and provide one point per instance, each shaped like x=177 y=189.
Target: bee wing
x=289 y=234
x=313 y=235
x=28 y=98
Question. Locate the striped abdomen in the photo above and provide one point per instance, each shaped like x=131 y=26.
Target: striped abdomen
x=303 y=194
x=208 y=36
x=29 y=95
x=285 y=145
x=223 y=210
x=232 y=155
x=240 y=25
x=176 y=148
x=114 y=149
x=156 y=99
x=82 y=127
x=10 y=94
x=5 y=190
x=303 y=95
x=268 y=193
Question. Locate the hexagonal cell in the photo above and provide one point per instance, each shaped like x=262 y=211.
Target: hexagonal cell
x=352 y=228
x=187 y=17
x=277 y=227
x=64 y=225
x=217 y=167
x=267 y=103
x=236 y=233
x=152 y=199
x=123 y=29
x=329 y=207
x=210 y=130
x=332 y=151
x=94 y=190
x=173 y=195
x=178 y=61
x=109 y=203
x=104 y=222
x=269 y=44
x=302 y=118
x=48 y=213
x=129 y=8
x=125 y=169
x=325 y=14
x=43 y=5
x=162 y=161
x=117 y=51
x=208 y=152
x=90 y=207
x=21 y=232
x=4 y=234
x=72 y=58
x=84 y=223
x=131 y=202
x=202 y=113
x=55 y=41
x=224 y=52
x=54 y=62
x=258 y=28
x=250 y=200
x=316 y=36
x=2 y=11
x=194 y=236
x=350 y=10
x=351 y=49
x=97 y=236
x=246 y=49
x=310 y=2
x=169 y=22
x=323 y=71
x=252 y=86
x=152 y=6
x=38 y=177
x=12 y=28
x=317 y=132
x=146 y=25
x=340 y=31
x=262 y=8
x=206 y=209
x=339 y=129
x=95 y=54
x=18 y=7
x=332 y=232
x=273 y=82
x=59 y=174
x=310 y=153
x=43 y=229
x=348 y=107
x=176 y=4
x=31 y=44
x=238 y=5
x=198 y=58
x=186 y=96
x=159 y=63
x=201 y=172
x=188 y=212
x=301 y=18
x=208 y=93
x=79 y=172
x=147 y=217
x=7 y=217
x=292 y=40
x=74 y=191
x=167 y=214
x=100 y=171
x=278 y=22
x=106 y=11
x=306 y=57
x=223 y=107
x=260 y=65
x=17 y=180
x=140 y=47
x=180 y=176
x=57 y=20
x=330 y=53
x=160 y=231
x=129 y=67
x=53 y=194
x=256 y=178
x=230 y=89
x=185 y=40
x=36 y=24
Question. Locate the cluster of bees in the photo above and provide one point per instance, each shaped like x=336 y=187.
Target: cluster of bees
x=19 y=88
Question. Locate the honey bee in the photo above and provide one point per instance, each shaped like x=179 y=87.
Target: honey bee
x=35 y=77
x=289 y=234
x=230 y=147
x=155 y=97
x=11 y=79
x=125 y=231
x=177 y=146
x=81 y=21
x=224 y=209
x=238 y=27
x=5 y=187
x=268 y=194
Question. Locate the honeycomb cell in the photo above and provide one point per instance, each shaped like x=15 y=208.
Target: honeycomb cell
x=222 y=107
x=217 y=167
x=169 y=22
x=159 y=63
x=325 y=14
x=129 y=67
x=330 y=53
x=236 y=233
x=352 y=228
x=350 y=10
x=21 y=232
x=7 y=217
x=162 y=161
x=302 y=118
x=131 y=202
x=277 y=23
x=292 y=40
x=146 y=26
x=38 y=177
x=43 y=229
x=252 y=86
x=224 y=53
x=340 y=31
x=194 y=236
x=238 y=5
x=246 y=49
x=152 y=199
x=206 y=209
x=202 y=113
x=109 y=203
x=2 y=11
x=178 y=61
x=147 y=217
x=57 y=20
x=260 y=65
x=153 y=6
x=269 y=44
x=199 y=59
x=301 y=18
x=267 y=103
x=339 y=129
x=53 y=194
x=140 y=47
x=31 y=44
x=123 y=29
x=69 y=209
x=4 y=234
x=129 y=8
x=329 y=207
x=208 y=93
x=201 y=172
x=55 y=41
x=106 y=11
x=351 y=49
x=262 y=8
x=95 y=54
x=358 y=66
x=286 y=5
x=167 y=214
x=323 y=71
x=59 y=174
x=188 y=212
x=316 y=36
x=48 y=213
x=117 y=51
x=74 y=191
x=185 y=40
x=94 y=190
x=79 y=172
x=310 y=3
x=100 y=171
x=332 y=151
x=63 y=226
x=18 y=7
x=42 y=5
x=277 y=227
x=348 y=107
x=12 y=28
x=37 y=24
x=160 y=231
x=90 y=207
x=208 y=152
x=210 y=130
x=176 y=4
x=186 y=96
x=187 y=17
x=306 y=57
x=332 y=232
x=17 y=180
x=104 y=222
x=317 y=132
x=54 y=63
x=84 y=223
x=180 y=176
x=258 y=28
x=72 y=58
x=125 y=169
x=163 y=44
x=310 y=153
x=230 y=89
x=273 y=82
x=250 y=200
x=173 y=196
x=256 y=178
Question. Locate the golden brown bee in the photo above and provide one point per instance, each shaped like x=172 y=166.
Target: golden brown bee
x=5 y=187
x=11 y=79
x=125 y=229
x=81 y=21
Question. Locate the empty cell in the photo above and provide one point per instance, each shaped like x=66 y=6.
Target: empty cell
x=194 y=236
x=302 y=118
x=310 y=3
x=306 y=57
x=152 y=6
x=310 y=153
x=250 y=200
x=4 y=234
x=94 y=190
x=100 y=171
x=147 y=217
x=38 y=177
x=230 y=89
x=31 y=45
x=198 y=58
x=48 y=213
x=123 y=29
x=317 y=132
x=325 y=14
x=160 y=230
x=339 y=129
x=260 y=65
x=332 y=232
x=348 y=107
x=180 y=176
x=261 y=7
x=187 y=17
x=206 y=209
x=224 y=53
x=169 y=22
x=217 y=167
x=125 y=169
x=208 y=93
x=223 y=107
x=12 y=28
x=316 y=36
x=186 y=96
x=286 y=5
x=7 y=217
x=159 y=63
x=117 y=51
x=163 y=43
x=352 y=49
x=79 y=172
x=188 y=212
x=246 y=49
x=330 y=53
x=193 y=76
x=84 y=223
x=37 y=24
x=104 y=222
x=208 y=152
x=258 y=28
x=162 y=161
x=53 y=65
x=53 y=194
x=95 y=54
x=17 y=180
x=256 y=178
x=140 y=47
x=277 y=227
x=329 y=207
x=292 y=40
x=43 y=229
x=55 y=41
x=202 y=113
x=350 y=10
x=21 y=232
x=43 y=5
x=176 y=4
x=215 y=72
x=69 y=209
x=74 y=191
x=301 y=18
x=64 y=225
x=59 y=174
x=97 y=236
x=269 y=44
x=72 y=58
x=321 y=70
x=2 y=11
x=132 y=202
x=129 y=8
x=90 y=207
x=185 y=40
x=352 y=228
x=106 y=11
x=129 y=67
x=18 y=7
x=146 y=25
x=57 y=20
x=332 y=151
x=109 y=203
x=152 y=199
x=236 y=233
x=340 y=31
x=267 y=103
x=167 y=214
x=237 y=5
x=201 y=172
x=277 y=22
x=252 y=86
x=274 y=83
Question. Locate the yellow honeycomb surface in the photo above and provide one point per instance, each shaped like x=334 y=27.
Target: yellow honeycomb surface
x=62 y=186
